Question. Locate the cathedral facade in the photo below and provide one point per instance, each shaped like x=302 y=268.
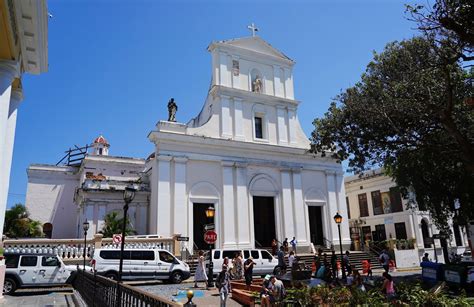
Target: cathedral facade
x=245 y=154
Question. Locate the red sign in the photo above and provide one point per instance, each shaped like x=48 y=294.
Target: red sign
x=210 y=237
x=117 y=238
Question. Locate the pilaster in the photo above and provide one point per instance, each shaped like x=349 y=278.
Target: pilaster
x=238 y=120
x=226 y=117
x=242 y=207
x=228 y=206
x=287 y=204
x=281 y=124
x=180 y=201
x=300 y=209
x=164 y=195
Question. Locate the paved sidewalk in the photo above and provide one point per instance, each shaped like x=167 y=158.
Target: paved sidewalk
x=62 y=297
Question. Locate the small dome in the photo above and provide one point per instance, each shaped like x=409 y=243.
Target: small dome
x=101 y=140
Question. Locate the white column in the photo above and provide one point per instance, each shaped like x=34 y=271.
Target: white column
x=89 y=215
x=282 y=128
x=335 y=193
x=242 y=208
x=152 y=210
x=287 y=204
x=341 y=204
x=180 y=199
x=277 y=81
x=226 y=117
x=292 y=125
x=238 y=120
x=164 y=196
x=289 y=84
x=224 y=69
x=228 y=212
x=300 y=209
x=8 y=71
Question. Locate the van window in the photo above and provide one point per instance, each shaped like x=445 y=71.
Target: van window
x=255 y=254
x=11 y=261
x=266 y=255
x=217 y=254
x=49 y=261
x=114 y=255
x=166 y=257
x=246 y=254
x=143 y=255
x=229 y=254
x=29 y=260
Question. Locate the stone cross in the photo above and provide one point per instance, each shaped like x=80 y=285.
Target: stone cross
x=252 y=28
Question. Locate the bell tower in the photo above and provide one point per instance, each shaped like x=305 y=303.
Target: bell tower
x=100 y=146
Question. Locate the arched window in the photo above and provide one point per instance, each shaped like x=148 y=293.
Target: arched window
x=426 y=233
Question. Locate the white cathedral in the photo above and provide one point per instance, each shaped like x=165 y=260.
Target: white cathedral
x=245 y=154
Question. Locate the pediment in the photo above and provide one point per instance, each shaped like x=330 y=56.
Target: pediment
x=256 y=44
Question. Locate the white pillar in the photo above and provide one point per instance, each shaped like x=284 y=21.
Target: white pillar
x=242 y=208
x=180 y=200
x=282 y=128
x=300 y=209
x=238 y=120
x=226 y=117
x=164 y=196
x=335 y=186
x=228 y=206
x=292 y=123
x=8 y=71
x=287 y=205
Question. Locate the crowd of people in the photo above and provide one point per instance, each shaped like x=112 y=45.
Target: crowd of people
x=324 y=267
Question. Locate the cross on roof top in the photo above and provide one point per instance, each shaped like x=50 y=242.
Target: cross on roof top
x=252 y=28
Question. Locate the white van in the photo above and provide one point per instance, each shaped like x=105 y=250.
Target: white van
x=140 y=264
x=265 y=262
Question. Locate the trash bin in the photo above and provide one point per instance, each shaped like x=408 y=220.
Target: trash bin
x=431 y=272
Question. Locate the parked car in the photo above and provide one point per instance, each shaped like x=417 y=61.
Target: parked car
x=35 y=270
x=140 y=264
x=265 y=262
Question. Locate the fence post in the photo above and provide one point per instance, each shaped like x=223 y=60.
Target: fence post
x=98 y=240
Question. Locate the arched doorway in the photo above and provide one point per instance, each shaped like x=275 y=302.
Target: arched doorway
x=426 y=233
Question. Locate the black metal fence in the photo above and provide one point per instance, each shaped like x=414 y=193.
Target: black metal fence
x=99 y=291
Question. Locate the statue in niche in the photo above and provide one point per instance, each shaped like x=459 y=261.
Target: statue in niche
x=172 y=108
x=257 y=85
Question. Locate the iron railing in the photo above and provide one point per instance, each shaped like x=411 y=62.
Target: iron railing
x=99 y=291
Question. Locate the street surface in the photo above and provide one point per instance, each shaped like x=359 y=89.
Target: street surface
x=58 y=297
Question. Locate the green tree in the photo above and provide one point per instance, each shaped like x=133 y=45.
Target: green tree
x=18 y=224
x=407 y=114
x=113 y=225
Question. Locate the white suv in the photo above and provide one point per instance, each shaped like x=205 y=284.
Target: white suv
x=140 y=264
x=35 y=270
x=265 y=262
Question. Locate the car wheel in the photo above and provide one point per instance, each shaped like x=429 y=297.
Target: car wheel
x=176 y=277
x=111 y=275
x=9 y=286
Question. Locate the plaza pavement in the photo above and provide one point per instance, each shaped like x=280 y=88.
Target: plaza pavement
x=57 y=297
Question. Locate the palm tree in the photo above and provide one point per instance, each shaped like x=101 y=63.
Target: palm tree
x=113 y=225
x=18 y=224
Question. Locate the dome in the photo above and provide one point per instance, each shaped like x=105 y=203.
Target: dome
x=101 y=140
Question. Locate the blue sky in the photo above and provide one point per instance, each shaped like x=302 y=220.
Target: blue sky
x=113 y=65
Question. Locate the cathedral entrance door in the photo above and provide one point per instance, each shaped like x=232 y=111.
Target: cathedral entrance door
x=199 y=220
x=316 y=225
x=264 y=221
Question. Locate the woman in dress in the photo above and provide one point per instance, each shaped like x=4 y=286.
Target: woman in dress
x=238 y=266
x=200 y=274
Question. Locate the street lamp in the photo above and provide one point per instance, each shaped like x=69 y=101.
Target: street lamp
x=85 y=227
x=128 y=196
x=210 y=212
x=338 y=220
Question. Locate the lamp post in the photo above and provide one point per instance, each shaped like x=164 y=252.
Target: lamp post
x=85 y=227
x=338 y=220
x=128 y=195
x=210 y=217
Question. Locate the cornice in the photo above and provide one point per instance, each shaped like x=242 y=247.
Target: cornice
x=220 y=90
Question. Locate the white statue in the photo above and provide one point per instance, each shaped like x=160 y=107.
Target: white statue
x=257 y=85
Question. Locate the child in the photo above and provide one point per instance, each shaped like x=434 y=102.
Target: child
x=369 y=269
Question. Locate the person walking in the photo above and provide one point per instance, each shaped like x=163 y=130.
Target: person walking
x=200 y=275
x=223 y=285
x=293 y=243
x=285 y=245
x=388 y=286
x=248 y=271
x=347 y=263
x=281 y=259
x=291 y=258
x=384 y=259
x=369 y=268
x=274 y=247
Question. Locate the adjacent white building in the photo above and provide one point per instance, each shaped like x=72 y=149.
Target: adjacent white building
x=245 y=154
x=377 y=212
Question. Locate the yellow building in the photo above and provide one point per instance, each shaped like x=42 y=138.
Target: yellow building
x=23 y=49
